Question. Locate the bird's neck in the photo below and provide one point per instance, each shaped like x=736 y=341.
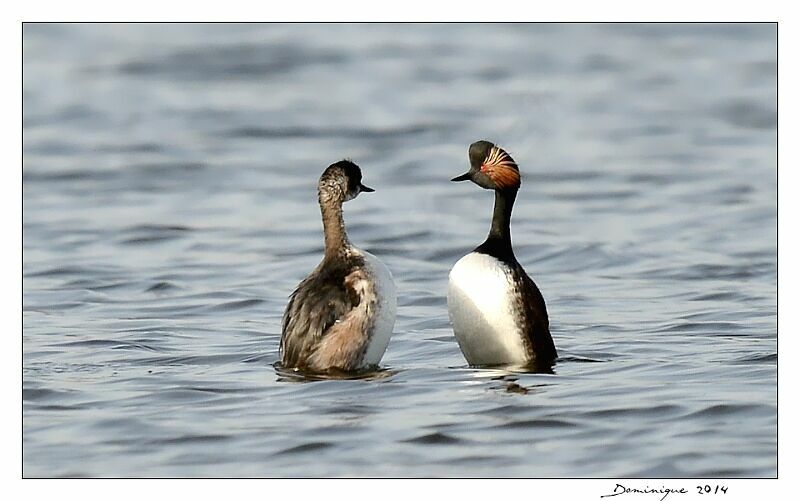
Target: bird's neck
x=501 y=217
x=333 y=225
x=498 y=242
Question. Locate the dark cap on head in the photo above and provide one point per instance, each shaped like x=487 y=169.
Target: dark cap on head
x=478 y=151
x=345 y=175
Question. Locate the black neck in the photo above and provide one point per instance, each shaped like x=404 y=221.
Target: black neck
x=498 y=243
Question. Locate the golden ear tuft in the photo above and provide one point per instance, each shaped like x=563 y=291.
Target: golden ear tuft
x=501 y=168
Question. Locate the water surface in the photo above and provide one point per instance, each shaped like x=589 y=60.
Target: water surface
x=169 y=190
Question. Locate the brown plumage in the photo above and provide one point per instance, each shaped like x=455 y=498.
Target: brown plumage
x=328 y=318
x=340 y=317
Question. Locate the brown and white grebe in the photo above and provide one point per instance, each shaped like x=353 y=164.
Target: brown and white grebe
x=498 y=314
x=342 y=315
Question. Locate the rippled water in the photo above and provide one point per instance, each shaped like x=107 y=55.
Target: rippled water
x=169 y=189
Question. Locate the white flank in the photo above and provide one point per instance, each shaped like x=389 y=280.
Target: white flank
x=481 y=307
x=386 y=309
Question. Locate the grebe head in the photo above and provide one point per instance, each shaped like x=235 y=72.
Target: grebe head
x=491 y=167
x=341 y=181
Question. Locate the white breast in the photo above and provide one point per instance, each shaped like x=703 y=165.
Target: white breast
x=481 y=306
x=386 y=308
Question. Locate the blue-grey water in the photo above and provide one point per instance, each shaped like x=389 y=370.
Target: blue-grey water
x=169 y=191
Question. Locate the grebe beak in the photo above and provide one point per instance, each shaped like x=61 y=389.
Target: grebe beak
x=366 y=188
x=462 y=177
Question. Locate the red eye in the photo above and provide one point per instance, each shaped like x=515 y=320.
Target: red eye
x=483 y=167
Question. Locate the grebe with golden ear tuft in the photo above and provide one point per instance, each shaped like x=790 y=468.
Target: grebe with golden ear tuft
x=497 y=312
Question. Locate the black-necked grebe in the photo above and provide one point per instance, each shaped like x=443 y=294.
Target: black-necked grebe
x=498 y=314
x=342 y=315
